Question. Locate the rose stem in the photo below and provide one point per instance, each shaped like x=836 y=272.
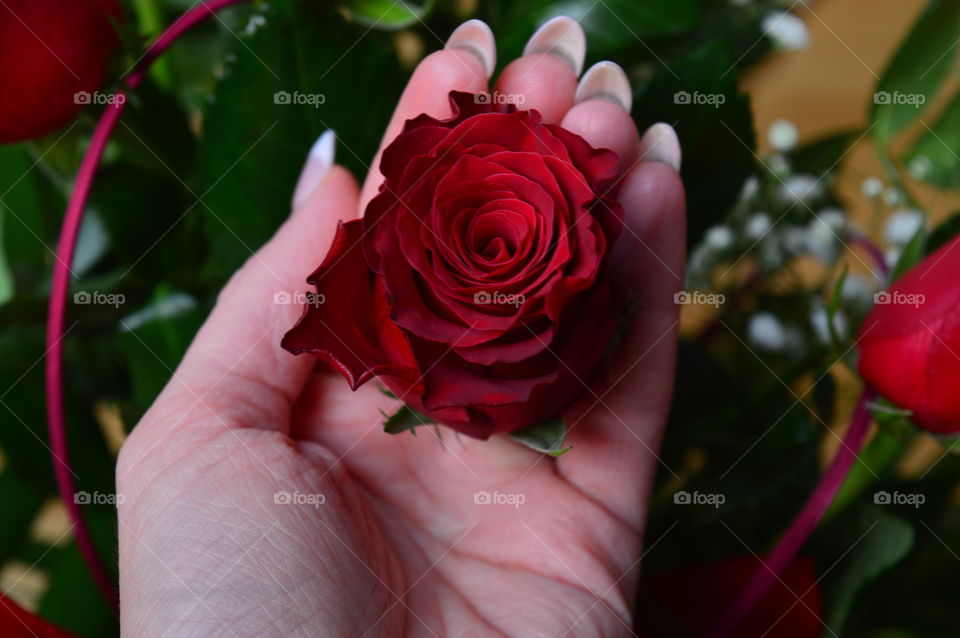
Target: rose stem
x=61 y=285
x=804 y=524
x=874 y=251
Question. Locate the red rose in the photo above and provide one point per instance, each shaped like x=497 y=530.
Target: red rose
x=910 y=341
x=475 y=286
x=17 y=622
x=688 y=601
x=51 y=50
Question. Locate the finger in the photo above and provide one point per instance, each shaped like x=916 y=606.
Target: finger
x=545 y=78
x=235 y=362
x=601 y=114
x=464 y=64
x=621 y=421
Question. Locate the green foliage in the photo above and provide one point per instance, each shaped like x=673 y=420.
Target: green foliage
x=870 y=542
x=385 y=14
x=405 y=419
x=913 y=77
x=913 y=252
x=612 y=26
x=257 y=130
x=546 y=437
x=933 y=157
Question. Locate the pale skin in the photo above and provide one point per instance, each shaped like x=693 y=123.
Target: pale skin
x=398 y=547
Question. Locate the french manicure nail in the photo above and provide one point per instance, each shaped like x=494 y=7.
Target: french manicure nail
x=605 y=81
x=318 y=163
x=474 y=36
x=563 y=37
x=660 y=144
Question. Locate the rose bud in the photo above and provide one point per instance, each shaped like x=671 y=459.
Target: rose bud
x=476 y=284
x=54 y=55
x=910 y=341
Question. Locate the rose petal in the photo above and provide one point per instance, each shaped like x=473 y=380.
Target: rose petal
x=351 y=329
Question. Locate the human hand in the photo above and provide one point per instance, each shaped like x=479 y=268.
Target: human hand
x=399 y=546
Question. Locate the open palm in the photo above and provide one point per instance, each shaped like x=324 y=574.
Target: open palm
x=262 y=497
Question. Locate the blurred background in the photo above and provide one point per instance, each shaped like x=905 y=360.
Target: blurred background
x=820 y=147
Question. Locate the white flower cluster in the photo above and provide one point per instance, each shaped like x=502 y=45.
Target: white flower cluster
x=778 y=217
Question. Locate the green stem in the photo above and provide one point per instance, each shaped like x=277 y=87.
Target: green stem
x=151 y=23
x=879 y=455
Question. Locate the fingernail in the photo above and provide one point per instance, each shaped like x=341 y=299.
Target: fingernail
x=318 y=164
x=474 y=36
x=563 y=37
x=660 y=144
x=605 y=81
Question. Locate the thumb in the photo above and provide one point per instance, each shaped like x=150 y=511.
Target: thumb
x=236 y=354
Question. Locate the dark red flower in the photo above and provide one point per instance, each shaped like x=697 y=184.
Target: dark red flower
x=17 y=622
x=51 y=51
x=910 y=341
x=688 y=601
x=475 y=286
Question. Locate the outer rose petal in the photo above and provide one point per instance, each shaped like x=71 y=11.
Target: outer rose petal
x=577 y=359
x=351 y=329
x=909 y=350
x=17 y=622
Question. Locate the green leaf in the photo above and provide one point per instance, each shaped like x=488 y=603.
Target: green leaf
x=819 y=156
x=882 y=451
x=610 y=26
x=881 y=541
x=165 y=240
x=23 y=437
x=933 y=157
x=834 y=305
x=31 y=210
x=917 y=70
x=912 y=254
x=406 y=418
x=152 y=341
x=891 y=418
x=547 y=436
x=6 y=277
x=21 y=502
x=290 y=79
x=73 y=601
x=156 y=135
x=387 y=14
